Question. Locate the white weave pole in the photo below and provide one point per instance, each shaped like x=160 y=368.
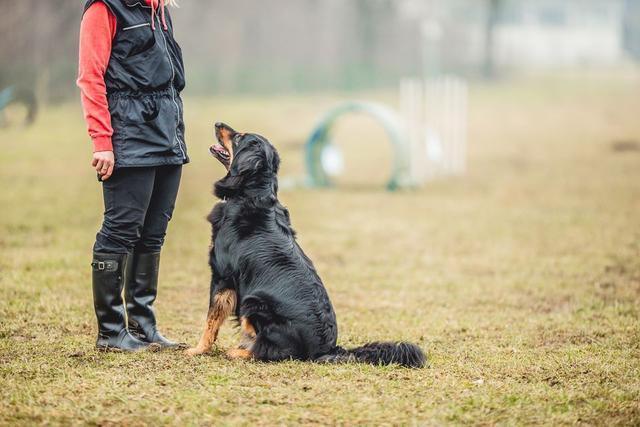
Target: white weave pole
x=435 y=116
x=462 y=119
x=412 y=107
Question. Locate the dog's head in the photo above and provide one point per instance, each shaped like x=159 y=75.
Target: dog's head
x=251 y=161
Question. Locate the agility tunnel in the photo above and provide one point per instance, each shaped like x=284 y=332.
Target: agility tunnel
x=321 y=157
x=428 y=134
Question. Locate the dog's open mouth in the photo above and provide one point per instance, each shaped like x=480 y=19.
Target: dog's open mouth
x=223 y=148
x=221 y=153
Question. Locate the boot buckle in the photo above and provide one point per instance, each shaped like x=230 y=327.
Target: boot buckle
x=100 y=265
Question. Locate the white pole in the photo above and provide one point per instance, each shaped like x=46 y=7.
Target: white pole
x=435 y=112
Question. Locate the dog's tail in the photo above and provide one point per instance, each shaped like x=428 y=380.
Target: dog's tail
x=379 y=353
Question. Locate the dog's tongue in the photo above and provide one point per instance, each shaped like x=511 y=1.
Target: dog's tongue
x=220 y=149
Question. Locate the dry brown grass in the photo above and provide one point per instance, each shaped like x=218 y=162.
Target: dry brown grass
x=521 y=279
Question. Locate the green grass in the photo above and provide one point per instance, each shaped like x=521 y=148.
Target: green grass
x=521 y=279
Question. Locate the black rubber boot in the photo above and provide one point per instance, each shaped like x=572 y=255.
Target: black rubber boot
x=108 y=280
x=140 y=294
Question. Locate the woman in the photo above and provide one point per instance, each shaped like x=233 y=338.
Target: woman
x=130 y=76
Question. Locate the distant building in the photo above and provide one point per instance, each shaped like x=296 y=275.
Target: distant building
x=632 y=28
x=545 y=33
x=463 y=35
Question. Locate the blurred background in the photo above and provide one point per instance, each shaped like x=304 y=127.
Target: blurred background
x=310 y=45
x=412 y=60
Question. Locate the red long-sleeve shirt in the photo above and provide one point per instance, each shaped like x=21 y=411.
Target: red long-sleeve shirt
x=97 y=30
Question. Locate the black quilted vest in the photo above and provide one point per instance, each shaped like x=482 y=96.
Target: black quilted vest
x=144 y=79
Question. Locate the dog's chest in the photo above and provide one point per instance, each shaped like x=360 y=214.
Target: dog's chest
x=223 y=240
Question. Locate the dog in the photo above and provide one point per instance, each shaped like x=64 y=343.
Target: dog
x=262 y=276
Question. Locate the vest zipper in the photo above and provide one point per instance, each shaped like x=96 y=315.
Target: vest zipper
x=173 y=94
x=146 y=24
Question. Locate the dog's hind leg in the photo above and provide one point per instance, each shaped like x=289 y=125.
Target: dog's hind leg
x=222 y=305
x=266 y=335
x=244 y=350
x=240 y=353
x=279 y=342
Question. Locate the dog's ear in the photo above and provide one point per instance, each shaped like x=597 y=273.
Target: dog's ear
x=257 y=165
x=245 y=165
x=275 y=162
x=228 y=186
x=248 y=162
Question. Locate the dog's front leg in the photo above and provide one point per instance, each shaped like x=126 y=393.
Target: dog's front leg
x=222 y=305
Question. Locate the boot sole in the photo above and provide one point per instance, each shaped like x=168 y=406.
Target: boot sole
x=107 y=349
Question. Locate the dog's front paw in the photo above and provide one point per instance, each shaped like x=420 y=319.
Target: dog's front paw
x=195 y=351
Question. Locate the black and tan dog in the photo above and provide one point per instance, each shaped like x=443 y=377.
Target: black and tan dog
x=262 y=276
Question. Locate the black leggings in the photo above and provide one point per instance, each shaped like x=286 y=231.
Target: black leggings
x=138 y=205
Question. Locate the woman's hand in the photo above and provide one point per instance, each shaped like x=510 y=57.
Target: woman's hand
x=103 y=161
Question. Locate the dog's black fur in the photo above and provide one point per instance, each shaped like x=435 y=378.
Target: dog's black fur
x=255 y=254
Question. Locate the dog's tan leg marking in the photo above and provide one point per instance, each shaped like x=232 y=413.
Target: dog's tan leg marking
x=240 y=353
x=247 y=328
x=224 y=302
x=243 y=351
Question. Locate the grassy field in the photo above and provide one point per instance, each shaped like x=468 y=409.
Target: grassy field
x=520 y=280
